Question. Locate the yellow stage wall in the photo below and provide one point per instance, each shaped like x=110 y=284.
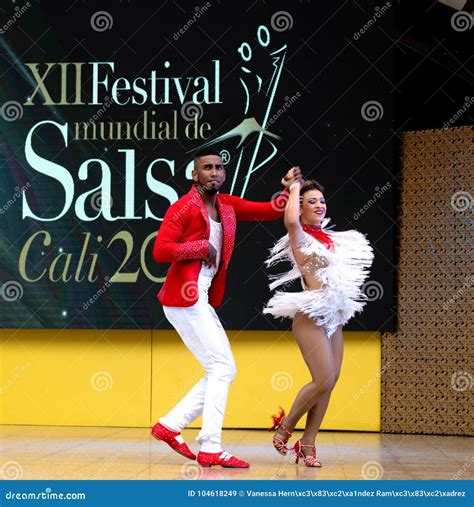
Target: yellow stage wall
x=130 y=378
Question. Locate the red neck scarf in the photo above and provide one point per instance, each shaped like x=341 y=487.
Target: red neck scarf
x=317 y=233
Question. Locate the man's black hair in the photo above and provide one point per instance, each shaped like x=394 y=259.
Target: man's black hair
x=204 y=152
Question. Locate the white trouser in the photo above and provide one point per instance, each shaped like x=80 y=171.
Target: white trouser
x=203 y=334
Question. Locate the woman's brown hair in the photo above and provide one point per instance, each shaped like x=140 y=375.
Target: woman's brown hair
x=311 y=185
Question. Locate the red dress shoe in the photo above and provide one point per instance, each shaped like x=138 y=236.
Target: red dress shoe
x=173 y=439
x=224 y=459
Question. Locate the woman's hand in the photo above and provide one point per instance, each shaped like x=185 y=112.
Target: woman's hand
x=294 y=174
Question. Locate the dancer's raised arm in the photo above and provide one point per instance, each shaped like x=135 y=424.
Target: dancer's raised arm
x=292 y=210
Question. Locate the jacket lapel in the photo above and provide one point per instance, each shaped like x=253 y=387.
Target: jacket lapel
x=196 y=199
x=228 y=220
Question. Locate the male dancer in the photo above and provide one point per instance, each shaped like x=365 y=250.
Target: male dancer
x=197 y=238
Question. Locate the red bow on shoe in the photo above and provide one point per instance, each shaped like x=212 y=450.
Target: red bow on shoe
x=280 y=443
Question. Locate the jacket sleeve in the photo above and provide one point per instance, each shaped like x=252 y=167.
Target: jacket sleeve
x=258 y=211
x=169 y=248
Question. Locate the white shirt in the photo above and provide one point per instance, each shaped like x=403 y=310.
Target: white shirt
x=215 y=239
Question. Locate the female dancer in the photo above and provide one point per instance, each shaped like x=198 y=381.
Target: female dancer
x=332 y=266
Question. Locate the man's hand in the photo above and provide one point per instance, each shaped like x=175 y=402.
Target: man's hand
x=211 y=257
x=294 y=174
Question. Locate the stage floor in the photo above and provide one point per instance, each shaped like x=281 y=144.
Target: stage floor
x=55 y=452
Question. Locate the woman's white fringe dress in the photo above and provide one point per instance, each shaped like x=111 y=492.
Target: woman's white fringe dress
x=342 y=272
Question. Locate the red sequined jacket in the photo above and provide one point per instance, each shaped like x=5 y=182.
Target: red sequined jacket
x=183 y=240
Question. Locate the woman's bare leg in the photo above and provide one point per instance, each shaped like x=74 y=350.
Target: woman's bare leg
x=318 y=355
x=318 y=410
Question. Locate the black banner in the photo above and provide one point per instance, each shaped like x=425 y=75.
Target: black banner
x=102 y=109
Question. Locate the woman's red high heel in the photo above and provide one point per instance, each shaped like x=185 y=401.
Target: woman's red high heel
x=309 y=461
x=279 y=443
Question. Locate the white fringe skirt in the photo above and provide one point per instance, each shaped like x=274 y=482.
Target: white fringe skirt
x=326 y=307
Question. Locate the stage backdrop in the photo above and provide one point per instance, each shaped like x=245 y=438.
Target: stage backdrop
x=100 y=113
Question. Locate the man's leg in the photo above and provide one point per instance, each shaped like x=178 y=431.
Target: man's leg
x=221 y=372
x=188 y=408
x=202 y=333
